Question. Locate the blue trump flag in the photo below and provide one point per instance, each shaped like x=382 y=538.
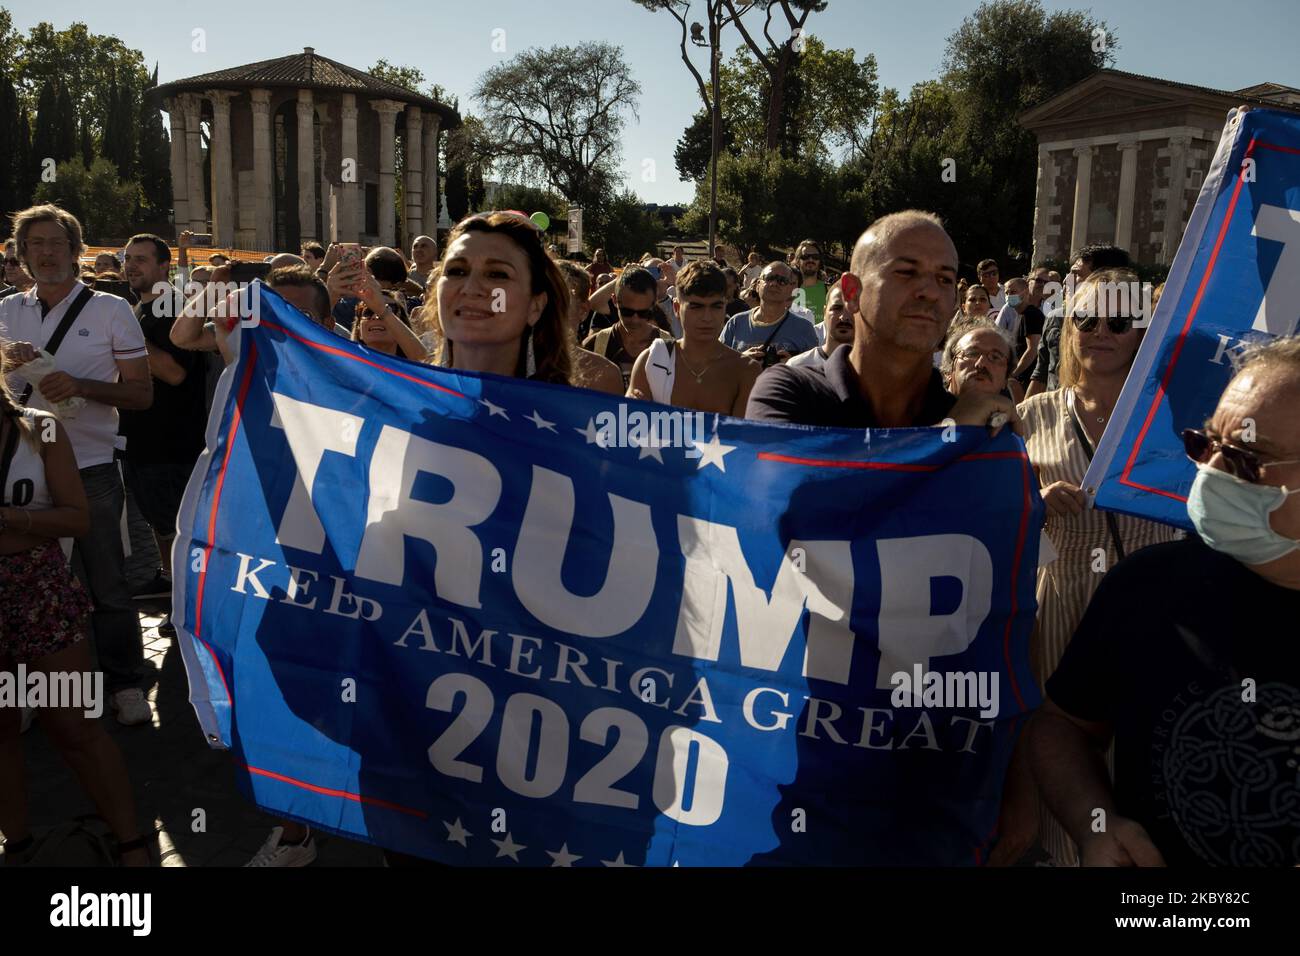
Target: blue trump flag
x=1235 y=279
x=493 y=621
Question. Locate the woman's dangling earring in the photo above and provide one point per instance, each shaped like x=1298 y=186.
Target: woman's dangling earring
x=530 y=369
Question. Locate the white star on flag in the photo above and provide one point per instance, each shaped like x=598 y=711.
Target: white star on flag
x=593 y=434
x=540 y=422
x=494 y=409
x=508 y=847
x=712 y=453
x=649 y=449
x=618 y=861
x=457 y=833
x=563 y=857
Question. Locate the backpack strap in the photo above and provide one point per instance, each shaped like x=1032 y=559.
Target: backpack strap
x=660 y=370
x=61 y=332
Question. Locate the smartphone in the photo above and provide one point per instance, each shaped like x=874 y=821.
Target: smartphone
x=201 y=239
x=248 y=271
x=350 y=254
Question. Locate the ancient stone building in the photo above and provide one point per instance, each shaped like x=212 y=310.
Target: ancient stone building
x=1121 y=159
x=297 y=147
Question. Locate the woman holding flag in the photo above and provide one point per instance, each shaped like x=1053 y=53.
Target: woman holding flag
x=1098 y=343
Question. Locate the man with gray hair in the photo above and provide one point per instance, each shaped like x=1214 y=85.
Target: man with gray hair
x=976 y=355
x=1186 y=659
x=906 y=265
x=100 y=358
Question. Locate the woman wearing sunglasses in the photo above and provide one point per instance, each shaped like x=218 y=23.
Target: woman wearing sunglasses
x=1062 y=429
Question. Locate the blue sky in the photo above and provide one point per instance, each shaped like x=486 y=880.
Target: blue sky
x=1192 y=41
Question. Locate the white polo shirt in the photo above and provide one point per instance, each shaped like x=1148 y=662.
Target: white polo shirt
x=105 y=331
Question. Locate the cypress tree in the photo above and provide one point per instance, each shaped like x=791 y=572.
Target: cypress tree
x=154 y=152
x=43 y=145
x=9 y=155
x=87 y=145
x=111 y=126
x=65 y=127
x=25 y=181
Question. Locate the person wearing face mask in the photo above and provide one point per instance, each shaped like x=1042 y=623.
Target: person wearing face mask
x=1187 y=659
x=1062 y=429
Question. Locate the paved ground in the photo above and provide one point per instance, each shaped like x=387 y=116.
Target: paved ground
x=172 y=769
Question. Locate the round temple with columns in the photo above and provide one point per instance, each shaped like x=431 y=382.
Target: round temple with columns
x=300 y=148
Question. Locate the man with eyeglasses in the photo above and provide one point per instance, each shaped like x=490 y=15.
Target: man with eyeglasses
x=976 y=357
x=988 y=274
x=1187 y=659
x=15 y=275
x=773 y=332
x=102 y=360
x=812 y=290
x=635 y=304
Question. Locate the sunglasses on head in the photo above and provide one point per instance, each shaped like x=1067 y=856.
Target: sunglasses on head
x=1239 y=462
x=1118 y=324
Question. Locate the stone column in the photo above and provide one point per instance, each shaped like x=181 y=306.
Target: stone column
x=192 y=106
x=350 y=200
x=430 y=194
x=1082 y=199
x=1043 y=202
x=179 y=169
x=1128 y=165
x=306 y=167
x=413 y=172
x=387 y=110
x=1173 y=235
x=264 y=214
x=223 y=188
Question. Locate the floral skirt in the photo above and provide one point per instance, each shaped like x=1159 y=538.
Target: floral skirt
x=43 y=607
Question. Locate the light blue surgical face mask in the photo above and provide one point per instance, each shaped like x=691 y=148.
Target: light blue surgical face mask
x=1013 y=300
x=1231 y=516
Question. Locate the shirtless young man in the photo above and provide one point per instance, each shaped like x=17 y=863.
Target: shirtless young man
x=697 y=371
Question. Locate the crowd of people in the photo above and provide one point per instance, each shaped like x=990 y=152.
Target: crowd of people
x=898 y=339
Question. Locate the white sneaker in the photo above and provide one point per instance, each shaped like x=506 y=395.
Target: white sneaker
x=29 y=715
x=131 y=706
x=274 y=853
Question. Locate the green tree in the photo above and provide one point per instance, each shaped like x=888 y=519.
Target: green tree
x=695 y=148
x=556 y=116
x=764 y=200
x=154 y=155
x=65 y=125
x=43 y=138
x=1005 y=57
x=467 y=155
x=105 y=205
x=829 y=101
x=627 y=228
x=10 y=150
x=530 y=199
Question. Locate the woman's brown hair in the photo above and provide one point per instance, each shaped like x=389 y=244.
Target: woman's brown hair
x=549 y=336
